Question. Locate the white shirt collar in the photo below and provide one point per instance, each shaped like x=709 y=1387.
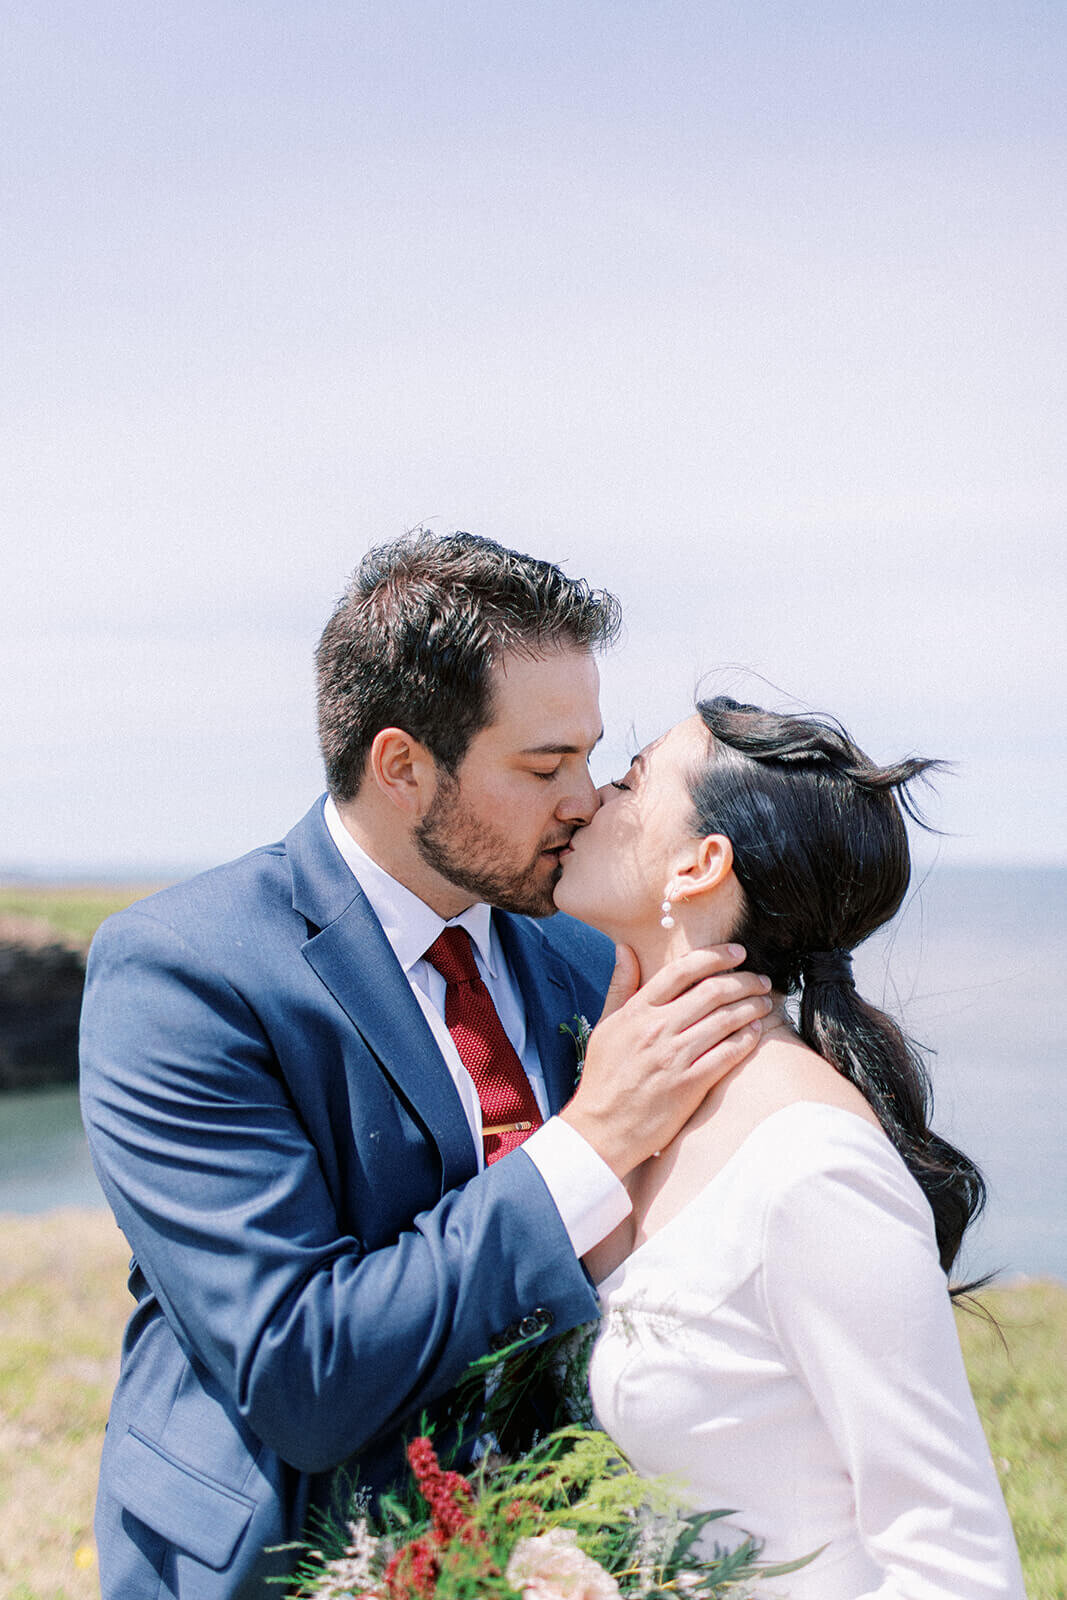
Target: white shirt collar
x=410 y=925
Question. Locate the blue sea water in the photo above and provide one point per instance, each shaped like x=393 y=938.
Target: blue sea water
x=972 y=965
x=44 y=1159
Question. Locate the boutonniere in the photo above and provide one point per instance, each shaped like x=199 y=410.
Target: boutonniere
x=580 y=1034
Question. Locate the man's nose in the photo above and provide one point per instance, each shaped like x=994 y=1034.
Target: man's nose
x=582 y=804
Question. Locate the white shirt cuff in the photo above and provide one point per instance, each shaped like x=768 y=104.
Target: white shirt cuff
x=590 y=1199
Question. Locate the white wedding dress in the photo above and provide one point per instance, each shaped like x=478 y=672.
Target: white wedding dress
x=785 y=1347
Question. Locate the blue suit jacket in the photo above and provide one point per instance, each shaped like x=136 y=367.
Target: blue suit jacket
x=315 y=1258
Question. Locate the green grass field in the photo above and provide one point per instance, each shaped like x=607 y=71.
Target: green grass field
x=63 y=1302
x=1019 y=1378
x=72 y=913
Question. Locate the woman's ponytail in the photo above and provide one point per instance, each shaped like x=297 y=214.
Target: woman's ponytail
x=869 y=1049
x=820 y=852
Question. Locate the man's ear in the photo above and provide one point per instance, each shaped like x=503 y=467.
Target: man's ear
x=708 y=867
x=404 y=772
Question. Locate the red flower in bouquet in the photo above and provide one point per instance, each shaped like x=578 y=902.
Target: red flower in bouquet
x=448 y=1494
x=416 y=1566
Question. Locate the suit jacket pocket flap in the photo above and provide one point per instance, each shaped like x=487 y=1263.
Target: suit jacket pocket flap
x=194 y=1512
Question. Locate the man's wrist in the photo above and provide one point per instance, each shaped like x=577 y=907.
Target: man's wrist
x=587 y=1193
x=600 y=1137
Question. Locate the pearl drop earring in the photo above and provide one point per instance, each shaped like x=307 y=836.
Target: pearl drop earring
x=666 y=921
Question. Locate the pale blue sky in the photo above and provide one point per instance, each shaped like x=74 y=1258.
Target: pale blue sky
x=753 y=313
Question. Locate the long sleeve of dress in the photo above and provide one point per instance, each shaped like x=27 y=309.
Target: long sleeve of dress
x=858 y=1300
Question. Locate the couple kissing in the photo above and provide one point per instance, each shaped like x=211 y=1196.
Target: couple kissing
x=332 y=1101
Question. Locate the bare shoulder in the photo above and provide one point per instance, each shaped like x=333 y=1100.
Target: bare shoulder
x=787 y=1070
x=781 y=1072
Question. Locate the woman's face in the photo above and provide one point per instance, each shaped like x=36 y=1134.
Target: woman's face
x=617 y=868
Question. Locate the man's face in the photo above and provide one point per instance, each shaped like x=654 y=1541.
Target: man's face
x=523 y=787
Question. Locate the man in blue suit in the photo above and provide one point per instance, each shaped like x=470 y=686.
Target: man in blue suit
x=282 y=1107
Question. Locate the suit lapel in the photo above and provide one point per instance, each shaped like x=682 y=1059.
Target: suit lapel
x=549 y=999
x=353 y=958
x=355 y=961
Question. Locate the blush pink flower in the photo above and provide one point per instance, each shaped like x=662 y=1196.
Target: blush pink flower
x=551 y=1566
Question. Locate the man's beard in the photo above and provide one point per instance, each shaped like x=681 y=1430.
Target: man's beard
x=474 y=855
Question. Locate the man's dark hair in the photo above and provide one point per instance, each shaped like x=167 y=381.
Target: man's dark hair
x=413 y=641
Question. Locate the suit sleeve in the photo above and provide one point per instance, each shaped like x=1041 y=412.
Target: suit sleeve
x=860 y=1304
x=320 y=1343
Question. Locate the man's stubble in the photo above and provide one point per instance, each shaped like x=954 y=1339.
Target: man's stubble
x=471 y=853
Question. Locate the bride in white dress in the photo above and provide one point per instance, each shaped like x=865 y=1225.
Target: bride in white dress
x=778 y=1332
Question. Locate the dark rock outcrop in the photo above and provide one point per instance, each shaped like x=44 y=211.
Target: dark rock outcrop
x=40 y=998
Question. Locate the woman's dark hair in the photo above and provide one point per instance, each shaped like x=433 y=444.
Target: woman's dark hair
x=412 y=643
x=821 y=855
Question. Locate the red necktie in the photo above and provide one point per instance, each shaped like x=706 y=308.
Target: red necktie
x=509 y=1110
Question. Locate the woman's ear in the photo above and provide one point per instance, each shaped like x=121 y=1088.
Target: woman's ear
x=404 y=771
x=709 y=866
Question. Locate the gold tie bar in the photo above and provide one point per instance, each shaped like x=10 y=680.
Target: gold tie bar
x=507 y=1127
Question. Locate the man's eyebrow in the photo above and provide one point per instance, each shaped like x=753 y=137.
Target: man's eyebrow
x=561 y=749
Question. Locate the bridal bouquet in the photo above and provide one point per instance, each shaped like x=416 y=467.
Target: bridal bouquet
x=567 y=1519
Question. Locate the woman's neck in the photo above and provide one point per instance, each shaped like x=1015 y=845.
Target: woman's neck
x=656 y=946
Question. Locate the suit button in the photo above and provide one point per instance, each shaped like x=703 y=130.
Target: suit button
x=535 y=1322
x=500 y=1341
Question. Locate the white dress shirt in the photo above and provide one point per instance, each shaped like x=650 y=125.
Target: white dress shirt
x=589 y=1198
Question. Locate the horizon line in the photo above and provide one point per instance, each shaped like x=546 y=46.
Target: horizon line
x=113 y=875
